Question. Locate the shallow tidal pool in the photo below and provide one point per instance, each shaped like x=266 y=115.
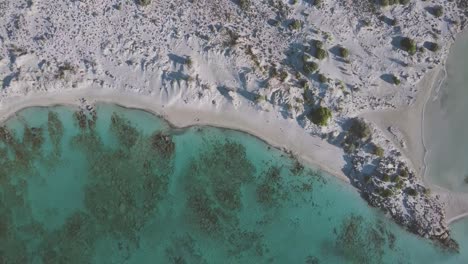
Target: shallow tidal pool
x=123 y=186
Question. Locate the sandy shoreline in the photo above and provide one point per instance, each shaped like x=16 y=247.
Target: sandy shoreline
x=273 y=129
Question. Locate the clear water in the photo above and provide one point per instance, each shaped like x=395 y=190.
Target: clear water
x=128 y=188
x=446 y=125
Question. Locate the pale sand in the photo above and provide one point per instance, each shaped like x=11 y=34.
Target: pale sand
x=268 y=126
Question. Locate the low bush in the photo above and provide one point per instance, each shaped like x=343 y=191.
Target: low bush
x=320 y=116
x=343 y=52
x=411 y=192
x=144 y=2
x=320 y=53
x=378 y=151
x=310 y=67
x=408 y=45
x=396 y=80
x=359 y=129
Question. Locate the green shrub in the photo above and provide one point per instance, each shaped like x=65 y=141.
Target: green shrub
x=438 y=11
x=411 y=192
x=408 y=45
x=283 y=75
x=378 y=151
x=318 y=44
x=310 y=67
x=359 y=129
x=386 y=192
x=320 y=116
x=399 y=184
x=396 y=80
x=317 y=2
x=384 y=2
x=404 y=2
x=295 y=25
x=404 y=173
x=320 y=53
x=144 y=2
x=322 y=78
x=343 y=52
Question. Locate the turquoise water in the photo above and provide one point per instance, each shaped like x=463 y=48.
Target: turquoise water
x=125 y=187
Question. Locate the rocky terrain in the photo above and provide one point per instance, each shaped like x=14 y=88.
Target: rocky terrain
x=321 y=63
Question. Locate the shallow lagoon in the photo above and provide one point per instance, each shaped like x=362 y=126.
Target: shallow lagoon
x=125 y=187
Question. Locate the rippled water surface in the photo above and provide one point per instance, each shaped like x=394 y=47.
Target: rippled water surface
x=125 y=187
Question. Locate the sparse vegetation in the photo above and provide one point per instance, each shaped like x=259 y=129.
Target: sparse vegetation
x=408 y=45
x=295 y=25
x=310 y=67
x=320 y=116
x=320 y=53
x=322 y=78
x=144 y=2
x=378 y=151
x=283 y=76
x=343 y=52
x=438 y=11
x=411 y=191
x=386 y=192
x=188 y=61
x=359 y=129
x=395 y=80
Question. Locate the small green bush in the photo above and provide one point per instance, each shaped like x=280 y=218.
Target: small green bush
x=310 y=67
x=295 y=25
x=396 y=80
x=144 y=2
x=318 y=44
x=408 y=45
x=438 y=11
x=359 y=129
x=378 y=151
x=320 y=116
x=320 y=53
x=343 y=52
x=386 y=193
x=322 y=78
x=411 y=192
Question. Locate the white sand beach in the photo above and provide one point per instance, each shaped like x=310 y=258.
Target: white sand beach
x=275 y=130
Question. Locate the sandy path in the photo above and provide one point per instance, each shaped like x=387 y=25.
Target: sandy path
x=268 y=126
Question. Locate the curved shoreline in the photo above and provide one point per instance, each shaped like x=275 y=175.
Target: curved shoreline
x=274 y=130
